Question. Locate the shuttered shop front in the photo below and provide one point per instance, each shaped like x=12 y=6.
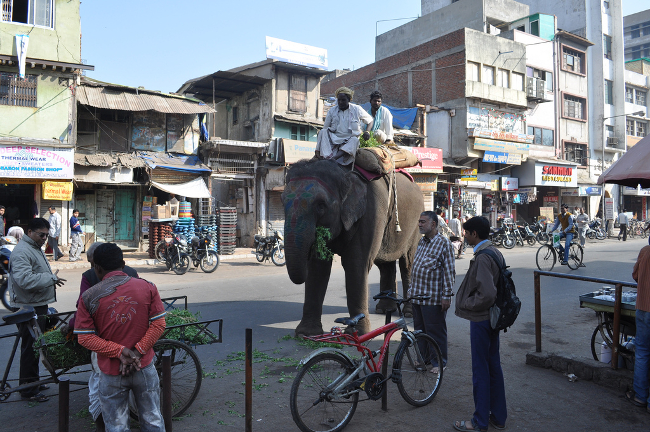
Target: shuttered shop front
x=276 y=211
x=168 y=176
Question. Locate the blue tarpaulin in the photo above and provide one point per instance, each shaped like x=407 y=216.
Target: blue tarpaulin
x=403 y=118
x=174 y=162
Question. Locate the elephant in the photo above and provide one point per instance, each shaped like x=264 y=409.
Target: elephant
x=362 y=221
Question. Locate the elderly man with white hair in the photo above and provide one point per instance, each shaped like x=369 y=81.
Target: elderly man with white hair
x=339 y=138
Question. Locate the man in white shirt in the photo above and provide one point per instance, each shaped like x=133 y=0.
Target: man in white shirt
x=382 y=124
x=55 y=232
x=622 y=222
x=583 y=220
x=339 y=138
x=457 y=234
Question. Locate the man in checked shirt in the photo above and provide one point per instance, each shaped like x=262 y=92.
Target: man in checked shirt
x=121 y=318
x=433 y=274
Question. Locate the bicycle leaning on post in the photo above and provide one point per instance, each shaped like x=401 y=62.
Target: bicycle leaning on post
x=326 y=391
x=548 y=254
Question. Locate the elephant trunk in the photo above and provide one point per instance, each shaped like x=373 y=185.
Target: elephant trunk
x=298 y=241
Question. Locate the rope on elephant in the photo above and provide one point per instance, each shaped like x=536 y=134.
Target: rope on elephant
x=393 y=186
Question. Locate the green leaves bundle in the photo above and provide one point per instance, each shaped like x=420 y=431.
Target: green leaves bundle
x=323 y=252
x=61 y=352
x=371 y=142
x=188 y=334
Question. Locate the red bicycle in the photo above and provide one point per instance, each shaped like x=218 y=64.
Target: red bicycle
x=326 y=391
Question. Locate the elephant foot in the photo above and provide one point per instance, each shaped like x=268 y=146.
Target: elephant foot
x=407 y=310
x=385 y=305
x=309 y=329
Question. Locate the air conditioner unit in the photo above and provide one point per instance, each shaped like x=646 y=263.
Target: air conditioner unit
x=612 y=141
x=531 y=90
x=540 y=85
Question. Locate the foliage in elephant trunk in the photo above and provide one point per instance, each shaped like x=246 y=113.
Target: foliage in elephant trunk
x=298 y=241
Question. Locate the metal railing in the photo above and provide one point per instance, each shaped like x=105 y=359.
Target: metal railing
x=617 y=307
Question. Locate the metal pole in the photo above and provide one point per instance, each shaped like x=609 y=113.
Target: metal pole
x=617 y=325
x=64 y=404
x=167 y=390
x=249 y=380
x=384 y=366
x=538 y=315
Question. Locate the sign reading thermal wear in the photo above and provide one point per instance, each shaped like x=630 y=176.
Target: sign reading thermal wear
x=58 y=191
x=555 y=175
x=23 y=161
x=297 y=53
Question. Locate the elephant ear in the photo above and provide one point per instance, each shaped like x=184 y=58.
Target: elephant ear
x=353 y=200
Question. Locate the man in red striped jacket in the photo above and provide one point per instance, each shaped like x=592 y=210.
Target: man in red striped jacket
x=120 y=319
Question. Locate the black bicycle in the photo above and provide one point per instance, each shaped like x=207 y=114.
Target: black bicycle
x=547 y=255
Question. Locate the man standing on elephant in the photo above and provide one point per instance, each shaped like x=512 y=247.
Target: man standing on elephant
x=382 y=124
x=433 y=274
x=339 y=138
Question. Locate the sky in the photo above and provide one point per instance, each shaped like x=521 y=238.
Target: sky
x=130 y=43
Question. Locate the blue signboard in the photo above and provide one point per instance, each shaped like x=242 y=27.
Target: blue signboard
x=502 y=158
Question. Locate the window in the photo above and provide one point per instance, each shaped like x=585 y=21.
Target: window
x=543 y=75
x=33 y=12
x=298 y=93
x=503 y=78
x=16 y=91
x=472 y=71
x=573 y=60
x=534 y=28
x=299 y=133
x=609 y=92
x=609 y=129
x=517 y=81
x=636 y=31
x=522 y=28
x=574 y=107
x=629 y=95
x=542 y=136
x=235 y=115
x=640 y=98
x=641 y=128
x=577 y=153
x=629 y=127
x=607 y=46
x=488 y=75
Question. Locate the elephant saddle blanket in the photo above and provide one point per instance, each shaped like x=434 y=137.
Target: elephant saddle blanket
x=369 y=176
x=383 y=159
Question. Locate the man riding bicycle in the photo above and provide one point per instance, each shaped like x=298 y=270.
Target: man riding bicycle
x=568 y=230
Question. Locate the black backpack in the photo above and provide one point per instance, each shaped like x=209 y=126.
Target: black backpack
x=506 y=307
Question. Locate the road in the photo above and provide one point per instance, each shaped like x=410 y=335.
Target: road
x=260 y=296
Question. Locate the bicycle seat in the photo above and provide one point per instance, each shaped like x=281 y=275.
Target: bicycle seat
x=350 y=321
x=22 y=315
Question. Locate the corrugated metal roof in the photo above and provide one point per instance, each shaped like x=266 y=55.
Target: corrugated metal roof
x=108 y=98
x=106 y=160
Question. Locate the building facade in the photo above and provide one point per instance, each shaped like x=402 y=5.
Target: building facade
x=636 y=28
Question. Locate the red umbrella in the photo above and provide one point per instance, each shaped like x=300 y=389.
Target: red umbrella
x=632 y=169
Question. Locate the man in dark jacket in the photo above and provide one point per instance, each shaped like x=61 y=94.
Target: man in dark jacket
x=32 y=283
x=477 y=293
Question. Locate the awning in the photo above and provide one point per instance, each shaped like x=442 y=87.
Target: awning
x=174 y=162
x=632 y=169
x=193 y=189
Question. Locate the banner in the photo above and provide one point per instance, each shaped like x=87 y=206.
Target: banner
x=500 y=146
x=431 y=159
x=22 y=40
x=609 y=208
x=58 y=191
x=502 y=158
x=297 y=53
x=36 y=162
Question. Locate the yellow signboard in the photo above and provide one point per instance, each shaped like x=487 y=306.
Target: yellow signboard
x=59 y=191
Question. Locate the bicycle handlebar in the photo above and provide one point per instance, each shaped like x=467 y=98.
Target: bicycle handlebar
x=390 y=295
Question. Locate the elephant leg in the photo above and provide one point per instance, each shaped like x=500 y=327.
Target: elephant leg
x=387 y=282
x=356 y=287
x=318 y=276
x=405 y=272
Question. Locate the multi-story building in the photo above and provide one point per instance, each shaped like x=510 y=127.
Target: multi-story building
x=636 y=28
x=40 y=65
x=600 y=22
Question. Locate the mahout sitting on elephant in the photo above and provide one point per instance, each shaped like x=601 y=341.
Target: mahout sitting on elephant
x=362 y=220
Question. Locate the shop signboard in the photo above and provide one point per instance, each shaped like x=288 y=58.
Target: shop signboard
x=573 y=192
x=20 y=161
x=581 y=191
x=546 y=213
x=637 y=191
x=58 y=191
x=500 y=146
x=295 y=150
x=296 y=53
x=427 y=182
x=528 y=190
x=431 y=159
x=592 y=190
x=501 y=135
x=502 y=158
x=547 y=174
x=609 y=208
x=509 y=183
x=469 y=175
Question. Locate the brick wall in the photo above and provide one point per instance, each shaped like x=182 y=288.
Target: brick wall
x=391 y=77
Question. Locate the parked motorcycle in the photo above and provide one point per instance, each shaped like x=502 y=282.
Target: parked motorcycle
x=201 y=254
x=174 y=256
x=527 y=233
x=270 y=247
x=502 y=237
x=539 y=229
x=595 y=230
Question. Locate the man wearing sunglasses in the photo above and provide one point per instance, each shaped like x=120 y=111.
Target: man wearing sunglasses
x=32 y=283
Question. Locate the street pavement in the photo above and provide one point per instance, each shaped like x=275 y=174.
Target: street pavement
x=247 y=294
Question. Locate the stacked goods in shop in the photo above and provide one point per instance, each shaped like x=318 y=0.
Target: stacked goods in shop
x=207 y=224
x=185 y=226
x=227 y=230
x=157 y=231
x=185 y=210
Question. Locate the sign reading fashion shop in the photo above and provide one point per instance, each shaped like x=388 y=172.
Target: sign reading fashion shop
x=24 y=161
x=547 y=174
